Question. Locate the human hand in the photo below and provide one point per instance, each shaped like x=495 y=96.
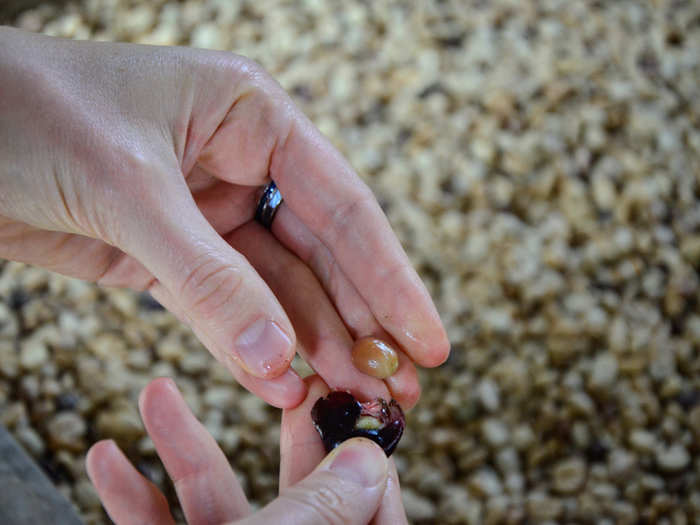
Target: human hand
x=354 y=484
x=140 y=166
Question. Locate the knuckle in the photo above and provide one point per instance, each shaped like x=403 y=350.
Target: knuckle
x=252 y=69
x=396 y=275
x=271 y=100
x=245 y=74
x=334 y=278
x=247 y=67
x=235 y=67
x=261 y=114
x=342 y=220
x=210 y=284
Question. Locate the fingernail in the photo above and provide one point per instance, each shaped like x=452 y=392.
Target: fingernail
x=263 y=347
x=363 y=463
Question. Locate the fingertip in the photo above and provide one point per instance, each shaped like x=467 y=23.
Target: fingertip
x=99 y=459
x=100 y=449
x=286 y=391
x=436 y=354
x=407 y=393
x=157 y=388
x=421 y=336
x=443 y=348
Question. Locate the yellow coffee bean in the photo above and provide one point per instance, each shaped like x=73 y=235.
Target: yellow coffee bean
x=374 y=357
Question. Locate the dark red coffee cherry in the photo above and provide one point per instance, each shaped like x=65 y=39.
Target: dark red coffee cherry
x=339 y=416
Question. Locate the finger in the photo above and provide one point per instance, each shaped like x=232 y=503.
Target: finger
x=391 y=511
x=301 y=448
x=324 y=340
x=228 y=303
x=346 y=488
x=403 y=384
x=322 y=190
x=127 y=496
x=285 y=391
x=207 y=488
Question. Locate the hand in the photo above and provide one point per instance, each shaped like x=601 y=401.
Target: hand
x=353 y=485
x=140 y=166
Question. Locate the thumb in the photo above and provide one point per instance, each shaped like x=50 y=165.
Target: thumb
x=227 y=303
x=345 y=488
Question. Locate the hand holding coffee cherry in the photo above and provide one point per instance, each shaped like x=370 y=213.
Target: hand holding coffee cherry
x=354 y=484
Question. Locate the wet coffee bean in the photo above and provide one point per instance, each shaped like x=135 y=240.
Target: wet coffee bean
x=374 y=357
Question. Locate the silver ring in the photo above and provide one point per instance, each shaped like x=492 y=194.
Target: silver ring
x=268 y=205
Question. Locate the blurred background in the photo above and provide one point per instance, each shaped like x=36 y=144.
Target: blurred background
x=540 y=162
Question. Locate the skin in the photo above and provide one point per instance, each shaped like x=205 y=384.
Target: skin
x=140 y=166
x=361 y=488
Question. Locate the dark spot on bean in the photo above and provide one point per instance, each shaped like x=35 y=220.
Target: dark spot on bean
x=18 y=298
x=67 y=401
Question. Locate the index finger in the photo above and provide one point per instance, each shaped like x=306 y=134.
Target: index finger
x=301 y=448
x=321 y=188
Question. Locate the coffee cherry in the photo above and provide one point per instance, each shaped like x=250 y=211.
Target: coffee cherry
x=374 y=357
x=339 y=416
